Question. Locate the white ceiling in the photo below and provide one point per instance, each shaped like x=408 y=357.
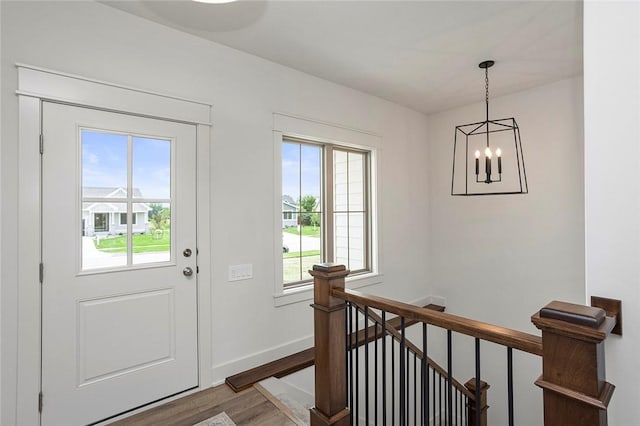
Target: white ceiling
x=421 y=54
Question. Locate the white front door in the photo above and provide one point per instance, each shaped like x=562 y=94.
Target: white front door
x=119 y=325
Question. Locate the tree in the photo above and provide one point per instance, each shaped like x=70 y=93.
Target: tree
x=307 y=206
x=308 y=203
x=315 y=219
x=159 y=216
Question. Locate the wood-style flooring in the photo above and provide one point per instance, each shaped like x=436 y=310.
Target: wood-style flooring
x=248 y=407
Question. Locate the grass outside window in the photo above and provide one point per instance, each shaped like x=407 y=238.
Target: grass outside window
x=141 y=243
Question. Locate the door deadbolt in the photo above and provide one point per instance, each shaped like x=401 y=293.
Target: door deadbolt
x=186 y=252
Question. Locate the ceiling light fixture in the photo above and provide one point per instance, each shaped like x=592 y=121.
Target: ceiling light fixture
x=509 y=177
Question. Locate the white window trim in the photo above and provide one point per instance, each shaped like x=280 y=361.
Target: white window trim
x=288 y=125
x=35 y=85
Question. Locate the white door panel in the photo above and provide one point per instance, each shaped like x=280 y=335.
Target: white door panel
x=119 y=315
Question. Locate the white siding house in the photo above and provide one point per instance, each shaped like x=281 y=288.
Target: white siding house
x=289 y=214
x=110 y=218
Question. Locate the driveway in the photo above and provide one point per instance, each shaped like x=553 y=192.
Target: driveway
x=294 y=241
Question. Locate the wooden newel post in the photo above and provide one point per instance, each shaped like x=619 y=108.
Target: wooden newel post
x=477 y=406
x=573 y=371
x=330 y=347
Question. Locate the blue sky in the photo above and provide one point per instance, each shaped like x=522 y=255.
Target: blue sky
x=297 y=160
x=104 y=163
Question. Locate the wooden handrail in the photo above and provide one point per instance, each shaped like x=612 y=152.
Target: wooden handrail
x=519 y=340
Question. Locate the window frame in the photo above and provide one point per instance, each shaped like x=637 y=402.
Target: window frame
x=327 y=208
x=288 y=126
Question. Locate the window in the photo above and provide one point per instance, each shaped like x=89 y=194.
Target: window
x=124 y=174
x=325 y=187
x=101 y=222
x=123 y=218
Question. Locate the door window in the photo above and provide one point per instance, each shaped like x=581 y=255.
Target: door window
x=126 y=190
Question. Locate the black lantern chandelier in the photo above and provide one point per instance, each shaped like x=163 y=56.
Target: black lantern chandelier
x=499 y=142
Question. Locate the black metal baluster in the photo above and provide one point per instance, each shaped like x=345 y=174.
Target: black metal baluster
x=510 y=383
x=460 y=409
x=375 y=370
x=455 y=402
x=433 y=388
x=393 y=383
x=351 y=372
x=402 y=375
x=440 y=398
x=478 y=408
x=415 y=389
x=384 y=369
x=449 y=409
x=407 y=381
x=366 y=364
x=346 y=354
x=425 y=378
x=357 y=362
x=463 y=409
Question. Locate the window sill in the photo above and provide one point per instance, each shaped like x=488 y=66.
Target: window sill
x=305 y=293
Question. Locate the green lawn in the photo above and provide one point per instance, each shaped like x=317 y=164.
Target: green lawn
x=291 y=267
x=307 y=231
x=307 y=253
x=141 y=243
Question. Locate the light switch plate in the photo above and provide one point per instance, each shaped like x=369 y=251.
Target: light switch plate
x=240 y=272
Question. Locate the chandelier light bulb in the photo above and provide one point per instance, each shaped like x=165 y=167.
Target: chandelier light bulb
x=477 y=154
x=487 y=152
x=498 y=152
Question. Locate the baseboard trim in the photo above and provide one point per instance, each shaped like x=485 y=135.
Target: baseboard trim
x=221 y=371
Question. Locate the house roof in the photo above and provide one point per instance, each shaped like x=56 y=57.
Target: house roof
x=288 y=204
x=108 y=192
x=115 y=207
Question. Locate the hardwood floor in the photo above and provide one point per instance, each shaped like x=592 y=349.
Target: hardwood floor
x=248 y=407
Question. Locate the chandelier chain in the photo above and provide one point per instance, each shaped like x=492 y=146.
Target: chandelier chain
x=486 y=85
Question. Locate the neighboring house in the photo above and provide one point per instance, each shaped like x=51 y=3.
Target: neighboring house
x=290 y=211
x=289 y=214
x=110 y=218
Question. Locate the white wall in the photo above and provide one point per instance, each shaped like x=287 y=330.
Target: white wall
x=501 y=258
x=96 y=41
x=612 y=185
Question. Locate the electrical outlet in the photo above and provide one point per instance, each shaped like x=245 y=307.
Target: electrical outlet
x=240 y=272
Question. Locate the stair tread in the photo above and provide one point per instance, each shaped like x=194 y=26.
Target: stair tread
x=278 y=368
x=300 y=360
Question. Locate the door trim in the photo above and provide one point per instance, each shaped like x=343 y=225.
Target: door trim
x=36 y=85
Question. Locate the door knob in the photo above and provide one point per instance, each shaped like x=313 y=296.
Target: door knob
x=187 y=272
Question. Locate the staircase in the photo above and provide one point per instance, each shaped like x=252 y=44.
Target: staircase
x=294 y=402
x=353 y=382
x=368 y=370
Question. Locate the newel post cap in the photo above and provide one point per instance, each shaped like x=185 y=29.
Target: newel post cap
x=329 y=270
x=572 y=320
x=326 y=277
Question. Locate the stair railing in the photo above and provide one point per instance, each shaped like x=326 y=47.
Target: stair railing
x=573 y=382
x=425 y=400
